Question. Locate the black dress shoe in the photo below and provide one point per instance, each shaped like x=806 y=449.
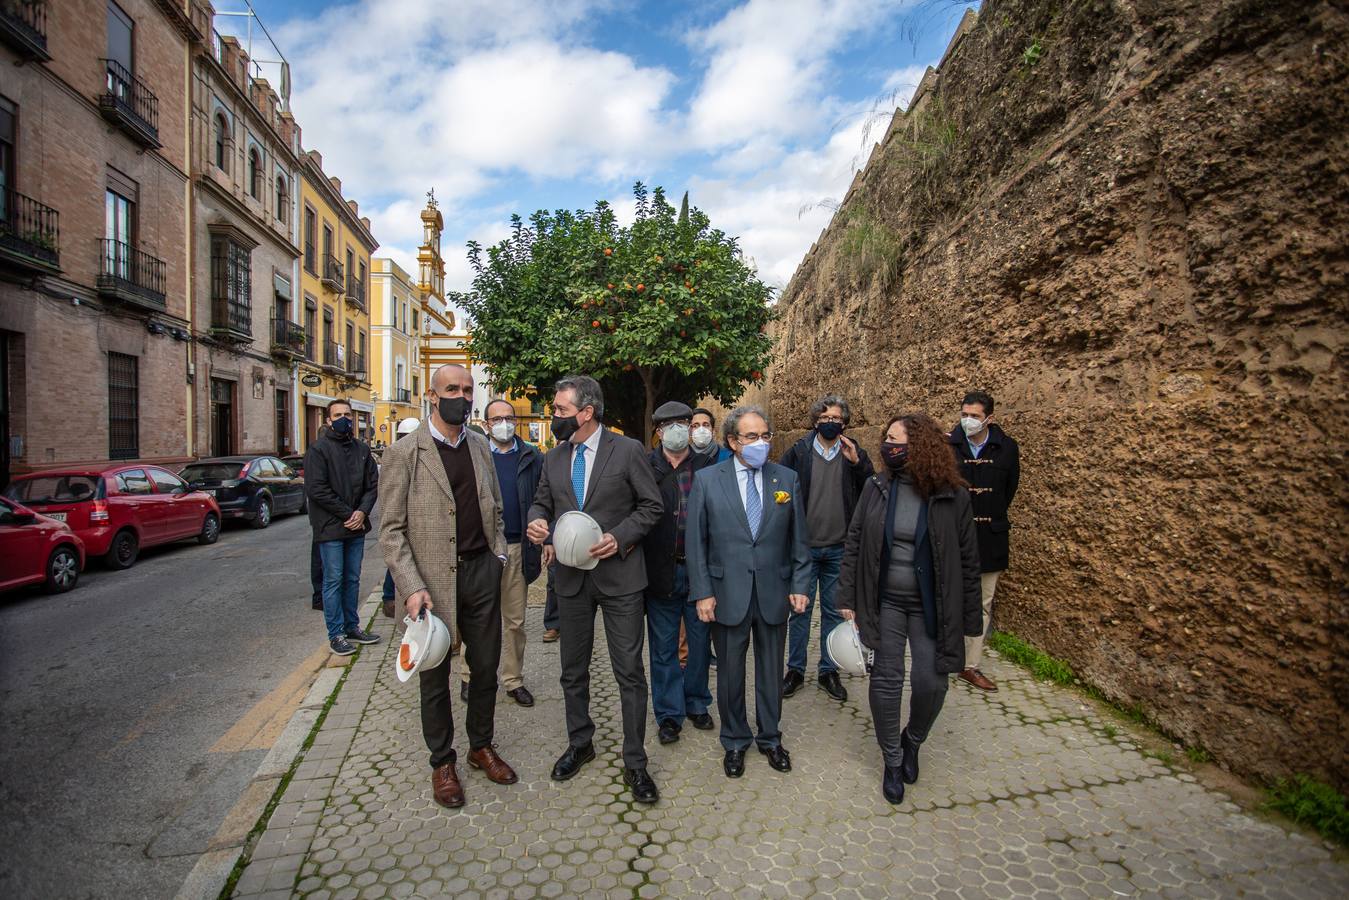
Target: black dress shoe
x=669 y=731
x=463 y=691
x=734 y=763
x=909 y=767
x=643 y=788
x=778 y=757
x=892 y=785
x=791 y=682
x=317 y=604
x=833 y=687
x=522 y=696
x=702 y=721
x=570 y=762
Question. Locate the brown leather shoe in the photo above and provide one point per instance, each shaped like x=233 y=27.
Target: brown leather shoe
x=550 y=635
x=978 y=679
x=492 y=765
x=388 y=608
x=445 y=786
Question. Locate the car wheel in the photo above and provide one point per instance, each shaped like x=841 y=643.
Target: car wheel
x=210 y=529
x=263 y=517
x=124 y=550
x=63 y=569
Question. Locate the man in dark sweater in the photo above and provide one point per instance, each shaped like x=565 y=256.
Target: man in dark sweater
x=341 y=482
x=832 y=470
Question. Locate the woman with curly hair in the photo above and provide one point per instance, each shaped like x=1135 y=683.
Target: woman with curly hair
x=910 y=576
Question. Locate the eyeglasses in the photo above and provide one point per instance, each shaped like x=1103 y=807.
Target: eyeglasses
x=838 y=420
x=510 y=420
x=752 y=437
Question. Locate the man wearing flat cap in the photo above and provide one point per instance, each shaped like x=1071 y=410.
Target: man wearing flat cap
x=676 y=694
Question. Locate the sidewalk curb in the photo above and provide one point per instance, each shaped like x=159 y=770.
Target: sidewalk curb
x=212 y=871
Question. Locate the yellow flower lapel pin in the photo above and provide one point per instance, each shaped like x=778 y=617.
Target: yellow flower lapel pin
x=782 y=497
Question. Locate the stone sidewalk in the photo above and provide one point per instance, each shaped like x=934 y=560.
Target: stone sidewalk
x=1026 y=792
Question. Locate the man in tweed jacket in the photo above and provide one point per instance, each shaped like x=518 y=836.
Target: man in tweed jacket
x=444 y=540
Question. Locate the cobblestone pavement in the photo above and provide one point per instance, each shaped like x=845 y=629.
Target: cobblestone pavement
x=1026 y=792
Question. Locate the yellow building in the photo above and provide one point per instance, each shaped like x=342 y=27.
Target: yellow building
x=397 y=318
x=336 y=245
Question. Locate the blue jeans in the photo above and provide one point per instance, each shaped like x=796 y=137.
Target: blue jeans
x=388 y=585
x=676 y=693
x=341 y=583
x=825 y=563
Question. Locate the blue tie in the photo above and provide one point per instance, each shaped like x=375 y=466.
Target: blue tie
x=578 y=475
x=753 y=505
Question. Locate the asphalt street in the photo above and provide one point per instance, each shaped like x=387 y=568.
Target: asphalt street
x=135 y=709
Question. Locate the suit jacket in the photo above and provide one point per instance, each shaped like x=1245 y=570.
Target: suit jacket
x=726 y=563
x=417 y=530
x=622 y=498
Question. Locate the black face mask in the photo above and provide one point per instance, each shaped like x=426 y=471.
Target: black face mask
x=342 y=427
x=564 y=427
x=453 y=410
x=895 y=456
x=829 y=430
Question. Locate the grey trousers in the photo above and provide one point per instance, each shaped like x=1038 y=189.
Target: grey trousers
x=625 y=631
x=901 y=625
x=732 y=644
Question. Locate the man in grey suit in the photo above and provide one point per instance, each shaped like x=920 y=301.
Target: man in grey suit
x=607 y=477
x=749 y=563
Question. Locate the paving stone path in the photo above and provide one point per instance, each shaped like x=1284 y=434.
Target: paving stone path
x=1026 y=792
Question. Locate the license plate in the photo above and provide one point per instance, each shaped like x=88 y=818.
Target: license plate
x=60 y=517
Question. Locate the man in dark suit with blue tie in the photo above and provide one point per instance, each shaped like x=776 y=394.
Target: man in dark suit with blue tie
x=749 y=564
x=606 y=476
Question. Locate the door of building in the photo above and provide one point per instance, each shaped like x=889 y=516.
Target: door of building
x=222 y=417
x=282 y=423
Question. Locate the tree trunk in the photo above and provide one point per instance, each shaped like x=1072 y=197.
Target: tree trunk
x=650 y=386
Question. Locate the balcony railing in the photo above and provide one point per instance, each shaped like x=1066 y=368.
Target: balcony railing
x=333 y=278
x=402 y=395
x=356 y=366
x=130 y=104
x=332 y=355
x=356 y=294
x=23 y=26
x=130 y=275
x=30 y=233
x=288 y=338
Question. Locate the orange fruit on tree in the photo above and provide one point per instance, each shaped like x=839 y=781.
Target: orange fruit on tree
x=595 y=324
x=608 y=251
x=640 y=288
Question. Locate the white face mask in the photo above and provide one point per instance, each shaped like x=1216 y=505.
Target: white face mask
x=971 y=425
x=675 y=438
x=702 y=437
x=503 y=432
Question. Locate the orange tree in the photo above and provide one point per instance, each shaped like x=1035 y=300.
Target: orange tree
x=665 y=309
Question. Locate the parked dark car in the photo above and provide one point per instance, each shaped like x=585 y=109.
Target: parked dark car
x=296 y=462
x=254 y=488
x=37 y=550
x=118 y=508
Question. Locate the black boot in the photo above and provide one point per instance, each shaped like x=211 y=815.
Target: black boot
x=909 y=766
x=892 y=785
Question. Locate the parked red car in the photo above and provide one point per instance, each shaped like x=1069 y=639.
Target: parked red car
x=35 y=549
x=117 y=509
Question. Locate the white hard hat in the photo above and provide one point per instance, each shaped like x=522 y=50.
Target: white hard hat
x=847 y=650
x=408 y=425
x=425 y=645
x=573 y=536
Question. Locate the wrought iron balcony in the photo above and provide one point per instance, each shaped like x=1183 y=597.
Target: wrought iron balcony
x=130 y=275
x=23 y=26
x=333 y=278
x=356 y=294
x=288 y=339
x=402 y=395
x=30 y=233
x=356 y=366
x=332 y=356
x=130 y=105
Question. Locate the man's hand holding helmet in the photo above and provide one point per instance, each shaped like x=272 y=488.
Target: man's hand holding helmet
x=418 y=601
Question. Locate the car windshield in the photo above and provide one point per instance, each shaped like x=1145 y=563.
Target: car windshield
x=219 y=471
x=54 y=489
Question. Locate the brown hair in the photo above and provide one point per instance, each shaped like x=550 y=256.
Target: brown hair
x=931 y=462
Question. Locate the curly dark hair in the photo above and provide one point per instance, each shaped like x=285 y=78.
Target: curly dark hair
x=931 y=462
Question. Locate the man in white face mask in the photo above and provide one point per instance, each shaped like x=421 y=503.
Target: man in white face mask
x=676 y=694
x=703 y=436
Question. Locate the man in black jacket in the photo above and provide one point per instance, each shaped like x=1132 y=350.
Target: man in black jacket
x=832 y=470
x=518 y=465
x=675 y=694
x=341 y=482
x=990 y=462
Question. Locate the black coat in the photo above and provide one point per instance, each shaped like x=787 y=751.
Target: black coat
x=993 y=479
x=529 y=467
x=340 y=477
x=800 y=458
x=659 y=543
x=946 y=561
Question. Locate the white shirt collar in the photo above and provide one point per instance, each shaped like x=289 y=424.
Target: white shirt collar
x=515 y=445
x=592 y=443
x=435 y=434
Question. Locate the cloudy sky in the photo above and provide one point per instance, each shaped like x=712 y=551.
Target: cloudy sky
x=757 y=107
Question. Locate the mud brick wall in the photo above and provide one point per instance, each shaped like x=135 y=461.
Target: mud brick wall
x=1127 y=221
